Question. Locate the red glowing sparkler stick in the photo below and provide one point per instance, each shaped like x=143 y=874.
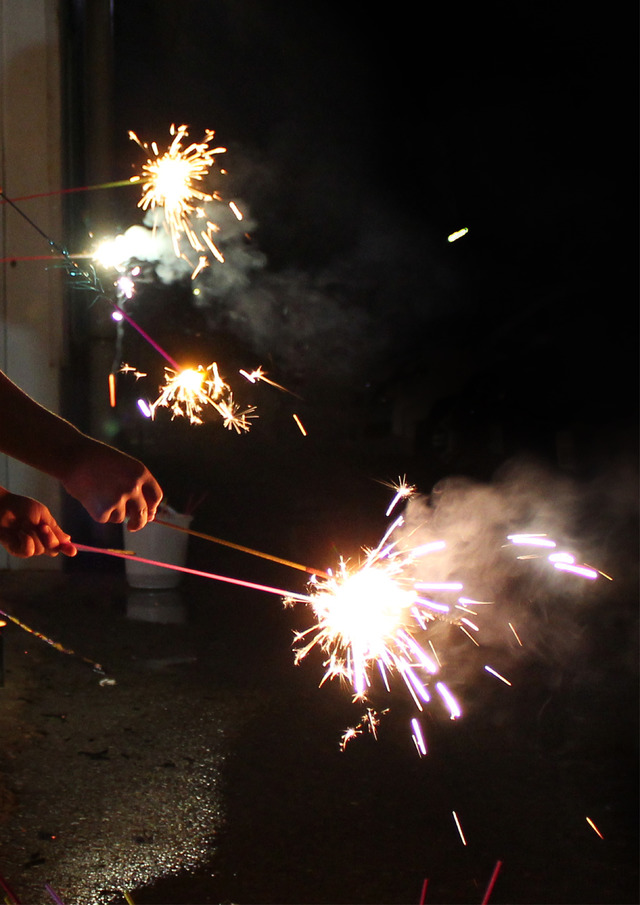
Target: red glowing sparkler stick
x=123 y=554
x=492 y=883
x=174 y=364
x=81 y=188
x=11 y=896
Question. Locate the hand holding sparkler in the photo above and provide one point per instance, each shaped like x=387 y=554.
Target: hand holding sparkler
x=27 y=528
x=110 y=485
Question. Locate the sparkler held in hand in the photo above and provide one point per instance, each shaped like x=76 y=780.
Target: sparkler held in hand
x=174 y=182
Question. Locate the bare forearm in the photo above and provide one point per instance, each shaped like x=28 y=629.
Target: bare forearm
x=34 y=435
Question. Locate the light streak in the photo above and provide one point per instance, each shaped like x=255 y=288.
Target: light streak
x=584 y=571
x=491 y=883
x=53 y=894
x=453 y=237
x=561 y=560
x=403 y=491
x=112 y=390
x=258 y=375
x=497 y=675
x=594 y=827
x=145 y=408
x=450 y=701
x=517 y=636
x=459 y=828
x=418 y=737
x=531 y=540
x=301 y=426
x=11 y=897
x=83 y=188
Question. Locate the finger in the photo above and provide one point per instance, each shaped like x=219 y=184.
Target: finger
x=56 y=540
x=152 y=494
x=115 y=516
x=19 y=543
x=137 y=516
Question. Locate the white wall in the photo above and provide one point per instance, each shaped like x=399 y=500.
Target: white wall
x=31 y=292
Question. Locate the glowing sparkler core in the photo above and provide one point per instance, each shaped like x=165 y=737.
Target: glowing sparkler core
x=367 y=619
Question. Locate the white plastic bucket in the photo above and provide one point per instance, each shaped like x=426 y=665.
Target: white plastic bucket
x=161 y=544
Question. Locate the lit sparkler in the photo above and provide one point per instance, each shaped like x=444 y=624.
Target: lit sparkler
x=174 y=181
x=372 y=619
x=186 y=392
x=367 y=621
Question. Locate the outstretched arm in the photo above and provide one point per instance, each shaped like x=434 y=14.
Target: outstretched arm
x=110 y=485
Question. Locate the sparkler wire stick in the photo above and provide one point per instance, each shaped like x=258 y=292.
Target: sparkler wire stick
x=123 y=554
x=63 y=650
x=226 y=543
x=96 y=288
x=492 y=883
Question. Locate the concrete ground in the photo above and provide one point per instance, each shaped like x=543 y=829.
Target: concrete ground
x=203 y=766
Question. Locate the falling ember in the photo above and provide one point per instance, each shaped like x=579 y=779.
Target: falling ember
x=259 y=375
x=418 y=738
x=594 y=827
x=300 y=425
x=174 y=181
x=144 y=407
x=458 y=827
x=516 y=635
x=458 y=234
x=497 y=675
x=402 y=492
x=450 y=701
x=112 y=390
x=561 y=560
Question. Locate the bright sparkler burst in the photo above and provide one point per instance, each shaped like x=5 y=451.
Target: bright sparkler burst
x=188 y=391
x=174 y=181
x=373 y=619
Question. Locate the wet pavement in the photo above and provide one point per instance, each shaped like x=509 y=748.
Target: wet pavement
x=203 y=766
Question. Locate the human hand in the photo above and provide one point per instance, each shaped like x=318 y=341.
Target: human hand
x=112 y=486
x=27 y=528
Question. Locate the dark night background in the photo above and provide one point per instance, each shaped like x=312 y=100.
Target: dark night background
x=358 y=140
